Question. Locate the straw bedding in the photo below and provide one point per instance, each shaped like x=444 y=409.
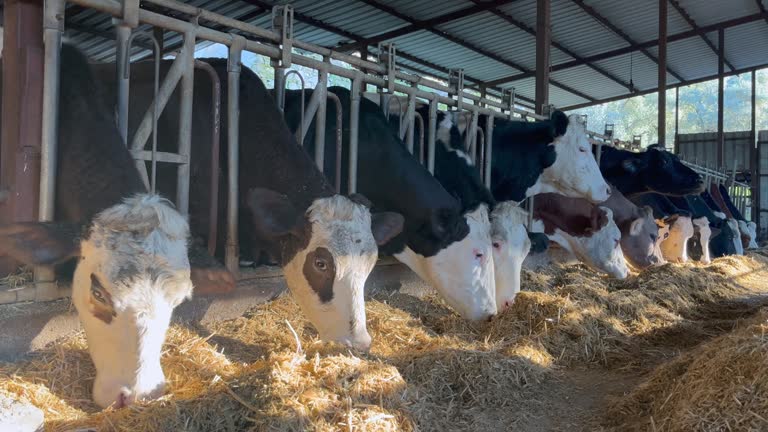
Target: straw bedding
x=428 y=369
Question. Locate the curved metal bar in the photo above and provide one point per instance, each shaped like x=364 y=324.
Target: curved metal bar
x=213 y=214
x=339 y=142
x=420 y=120
x=155 y=89
x=297 y=132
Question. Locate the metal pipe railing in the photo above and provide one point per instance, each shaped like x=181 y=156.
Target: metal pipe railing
x=185 y=120
x=213 y=213
x=339 y=140
x=231 y=259
x=299 y=131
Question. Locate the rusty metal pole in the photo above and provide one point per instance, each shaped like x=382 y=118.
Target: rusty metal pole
x=662 y=69
x=720 y=96
x=21 y=113
x=543 y=39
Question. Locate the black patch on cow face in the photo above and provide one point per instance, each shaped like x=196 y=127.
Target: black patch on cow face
x=320 y=271
x=101 y=301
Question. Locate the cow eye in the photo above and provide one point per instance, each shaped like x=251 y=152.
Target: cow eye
x=496 y=245
x=98 y=295
x=583 y=149
x=321 y=265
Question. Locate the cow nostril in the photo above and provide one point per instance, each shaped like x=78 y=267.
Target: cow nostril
x=122 y=400
x=490 y=318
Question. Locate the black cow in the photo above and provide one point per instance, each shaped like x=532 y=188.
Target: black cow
x=653 y=170
x=326 y=243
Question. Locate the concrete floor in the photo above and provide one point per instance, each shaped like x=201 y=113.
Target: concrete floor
x=26 y=327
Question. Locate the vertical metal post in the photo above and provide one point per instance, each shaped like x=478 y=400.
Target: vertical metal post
x=53 y=28
x=185 y=121
x=231 y=258
x=410 y=115
x=322 y=89
x=543 y=40
x=431 y=135
x=354 y=127
x=662 y=70
x=488 y=150
x=754 y=160
x=123 y=32
x=279 y=93
x=677 y=119
x=720 y=96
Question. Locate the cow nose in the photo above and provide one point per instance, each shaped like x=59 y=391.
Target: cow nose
x=490 y=318
x=123 y=399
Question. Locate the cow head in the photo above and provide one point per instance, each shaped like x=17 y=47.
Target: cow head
x=737 y=243
x=600 y=249
x=699 y=247
x=674 y=248
x=510 y=247
x=327 y=254
x=639 y=238
x=748 y=234
x=462 y=271
x=661 y=171
x=575 y=172
x=133 y=270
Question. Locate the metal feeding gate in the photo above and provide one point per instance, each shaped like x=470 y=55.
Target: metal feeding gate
x=279 y=45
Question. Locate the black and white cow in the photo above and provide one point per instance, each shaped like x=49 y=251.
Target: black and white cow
x=325 y=243
x=639 y=231
x=721 y=243
x=681 y=227
x=132 y=268
x=653 y=170
x=446 y=246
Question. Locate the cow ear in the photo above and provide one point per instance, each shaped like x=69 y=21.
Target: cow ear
x=669 y=220
x=360 y=199
x=208 y=275
x=385 y=226
x=559 y=123
x=273 y=213
x=636 y=227
x=41 y=243
x=599 y=218
x=648 y=211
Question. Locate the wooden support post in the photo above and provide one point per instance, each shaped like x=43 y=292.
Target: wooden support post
x=543 y=39
x=662 y=68
x=21 y=113
x=720 y=98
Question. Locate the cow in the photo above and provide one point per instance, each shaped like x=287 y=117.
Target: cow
x=456 y=172
x=326 y=243
x=638 y=230
x=132 y=265
x=582 y=228
x=720 y=195
x=653 y=170
x=445 y=241
x=721 y=243
x=553 y=156
x=698 y=246
x=681 y=227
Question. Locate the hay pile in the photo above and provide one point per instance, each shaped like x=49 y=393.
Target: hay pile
x=427 y=369
x=720 y=386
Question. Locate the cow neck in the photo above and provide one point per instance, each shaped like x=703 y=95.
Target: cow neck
x=571 y=215
x=624 y=210
x=95 y=169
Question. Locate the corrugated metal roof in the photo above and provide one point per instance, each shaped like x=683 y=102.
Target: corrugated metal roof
x=491 y=31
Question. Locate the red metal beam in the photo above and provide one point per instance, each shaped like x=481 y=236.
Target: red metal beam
x=418 y=25
x=683 y=13
x=474 y=48
x=522 y=26
x=604 y=21
x=643 y=45
x=662 y=69
x=654 y=90
x=543 y=38
x=22 y=81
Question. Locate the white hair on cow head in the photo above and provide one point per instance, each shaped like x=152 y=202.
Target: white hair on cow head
x=575 y=172
x=736 y=237
x=133 y=271
x=510 y=247
x=748 y=233
x=675 y=247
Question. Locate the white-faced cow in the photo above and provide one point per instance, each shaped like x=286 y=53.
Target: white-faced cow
x=679 y=224
x=132 y=268
x=445 y=242
x=721 y=243
x=582 y=228
x=722 y=211
x=544 y=156
x=325 y=243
